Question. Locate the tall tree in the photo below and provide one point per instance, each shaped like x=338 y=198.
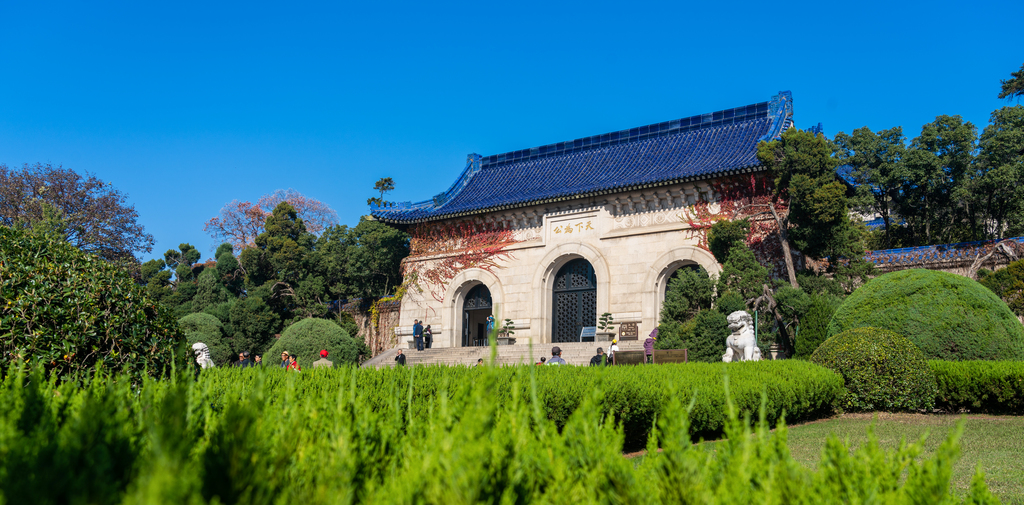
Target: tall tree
x=383 y=185
x=375 y=255
x=1000 y=188
x=95 y=216
x=280 y=251
x=818 y=219
x=938 y=169
x=239 y=223
x=876 y=162
x=1014 y=86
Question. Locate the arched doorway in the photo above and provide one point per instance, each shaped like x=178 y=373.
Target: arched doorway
x=693 y=267
x=574 y=301
x=475 y=309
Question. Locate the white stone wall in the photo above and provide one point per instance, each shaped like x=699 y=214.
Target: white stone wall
x=635 y=241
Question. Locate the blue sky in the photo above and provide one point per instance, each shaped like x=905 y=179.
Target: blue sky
x=185 y=106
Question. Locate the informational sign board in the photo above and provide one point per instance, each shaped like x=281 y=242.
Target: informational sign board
x=671 y=356
x=629 y=358
x=629 y=331
x=588 y=334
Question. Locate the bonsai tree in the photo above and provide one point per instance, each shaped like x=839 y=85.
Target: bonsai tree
x=506 y=328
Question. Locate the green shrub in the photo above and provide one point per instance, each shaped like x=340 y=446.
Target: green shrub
x=307 y=337
x=674 y=335
x=688 y=291
x=947 y=316
x=351 y=435
x=205 y=328
x=882 y=370
x=72 y=311
x=814 y=325
x=730 y=302
x=993 y=387
x=711 y=329
x=1007 y=284
x=253 y=324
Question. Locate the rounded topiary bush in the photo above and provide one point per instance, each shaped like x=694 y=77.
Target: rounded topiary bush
x=206 y=328
x=947 y=316
x=71 y=311
x=882 y=370
x=307 y=337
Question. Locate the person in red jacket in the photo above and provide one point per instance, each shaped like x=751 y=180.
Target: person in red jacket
x=293 y=363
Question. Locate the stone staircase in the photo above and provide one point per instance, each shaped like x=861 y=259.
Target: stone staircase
x=574 y=353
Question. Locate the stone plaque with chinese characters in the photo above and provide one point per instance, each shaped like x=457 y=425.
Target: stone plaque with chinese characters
x=572 y=226
x=628 y=331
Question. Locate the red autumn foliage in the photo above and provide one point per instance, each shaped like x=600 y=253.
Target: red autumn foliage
x=241 y=222
x=439 y=251
x=744 y=197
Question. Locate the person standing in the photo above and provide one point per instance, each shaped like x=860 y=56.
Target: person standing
x=490 y=328
x=243 y=360
x=400 y=359
x=257 y=360
x=612 y=349
x=285 y=359
x=323 y=361
x=649 y=346
x=599 y=359
x=556 y=357
x=428 y=337
x=293 y=363
x=417 y=334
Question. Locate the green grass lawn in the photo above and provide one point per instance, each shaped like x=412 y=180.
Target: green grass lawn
x=994 y=442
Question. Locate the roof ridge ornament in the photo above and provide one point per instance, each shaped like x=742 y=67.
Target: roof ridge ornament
x=780 y=110
x=472 y=168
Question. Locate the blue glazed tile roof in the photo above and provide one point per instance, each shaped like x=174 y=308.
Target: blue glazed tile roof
x=692 y=148
x=962 y=251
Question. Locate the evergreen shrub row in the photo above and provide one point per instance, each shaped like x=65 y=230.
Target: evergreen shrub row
x=994 y=387
x=439 y=435
x=632 y=395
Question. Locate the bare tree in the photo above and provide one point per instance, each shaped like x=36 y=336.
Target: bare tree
x=90 y=213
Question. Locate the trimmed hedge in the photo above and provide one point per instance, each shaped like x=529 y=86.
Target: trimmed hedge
x=882 y=370
x=73 y=312
x=348 y=435
x=947 y=316
x=632 y=395
x=308 y=337
x=993 y=387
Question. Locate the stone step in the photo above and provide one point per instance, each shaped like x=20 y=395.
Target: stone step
x=574 y=353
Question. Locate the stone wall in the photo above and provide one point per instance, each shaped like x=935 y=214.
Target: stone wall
x=378 y=338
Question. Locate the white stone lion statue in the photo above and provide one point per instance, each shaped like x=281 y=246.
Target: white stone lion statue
x=741 y=345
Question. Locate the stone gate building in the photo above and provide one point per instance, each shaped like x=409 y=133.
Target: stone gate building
x=552 y=237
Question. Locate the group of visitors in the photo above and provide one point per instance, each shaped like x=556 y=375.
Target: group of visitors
x=423 y=337
x=419 y=333
x=288 y=361
x=605 y=359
